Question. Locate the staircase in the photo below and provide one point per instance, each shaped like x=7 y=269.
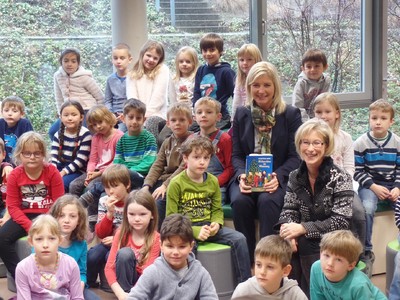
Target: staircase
x=194 y=16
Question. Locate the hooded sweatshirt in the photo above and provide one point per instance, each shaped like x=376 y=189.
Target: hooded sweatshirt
x=79 y=86
x=251 y=289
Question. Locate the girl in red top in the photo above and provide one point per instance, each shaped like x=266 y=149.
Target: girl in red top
x=32 y=187
x=136 y=244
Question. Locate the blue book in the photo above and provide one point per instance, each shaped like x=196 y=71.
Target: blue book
x=258 y=170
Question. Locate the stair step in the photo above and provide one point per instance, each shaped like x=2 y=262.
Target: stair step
x=197 y=23
x=196 y=4
x=190 y=10
x=185 y=17
x=196 y=29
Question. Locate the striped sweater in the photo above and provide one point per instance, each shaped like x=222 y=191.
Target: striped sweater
x=377 y=161
x=138 y=153
x=72 y=164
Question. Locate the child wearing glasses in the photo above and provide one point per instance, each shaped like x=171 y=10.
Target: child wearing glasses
x=32 y=187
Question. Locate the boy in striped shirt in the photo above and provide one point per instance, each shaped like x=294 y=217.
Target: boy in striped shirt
x=377 y=166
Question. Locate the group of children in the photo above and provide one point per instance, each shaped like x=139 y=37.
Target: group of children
x=187 y=175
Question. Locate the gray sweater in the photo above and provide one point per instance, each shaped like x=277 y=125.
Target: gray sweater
x=250 y=289
x=159 y=281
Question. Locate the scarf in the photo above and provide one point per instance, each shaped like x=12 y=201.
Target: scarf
x=263 y=121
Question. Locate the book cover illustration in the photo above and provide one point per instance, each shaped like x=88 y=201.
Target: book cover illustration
x=258 y=170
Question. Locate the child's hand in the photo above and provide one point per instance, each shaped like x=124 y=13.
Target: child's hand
x=244 y=188
x=110 y=204
x=394 y=194
x=90 y=176
x=6 y=171
x=160 y=192
x=214 y=228
x=204 y=233
x=380 y=191
x=272 y=185
x=107 y=241
x=63 y=173
x=119 y=116
x=293 y=243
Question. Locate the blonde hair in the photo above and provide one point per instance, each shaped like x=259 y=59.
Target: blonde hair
x=210 y=102
x=193 y=59
x=138 y=70
x=100 y=113
x=144 y=198
x=321 y=128
x=333 y=101
x=180 y=108
x=247 y=50
x=79 y=233
x=27 y=139
x=342 y=243
x=276 y=248
x=265 y=68
x=45 y=220
x=13 y=101
x=123 y=46
x=382 y=105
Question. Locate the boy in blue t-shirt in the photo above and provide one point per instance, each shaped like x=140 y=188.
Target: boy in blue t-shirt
x=13 y=124
x=215 y=79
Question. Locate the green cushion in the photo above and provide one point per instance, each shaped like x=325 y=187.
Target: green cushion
x=227 y=209
x=24 y=238
x=394 y=245
x=361 y=265
x=383 y=206
x=207 y=246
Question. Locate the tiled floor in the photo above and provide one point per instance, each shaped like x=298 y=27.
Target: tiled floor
x=378 y=280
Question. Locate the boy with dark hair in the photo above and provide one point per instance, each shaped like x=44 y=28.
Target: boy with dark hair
x=215 y=78
x=312 y=82
x=196 y=194
x=207 y=113
x=115 y=94
x=176 y=274
x=335 y=275
x=169 y=159
x=13 y=124
x=272 y=266
x=377 y=167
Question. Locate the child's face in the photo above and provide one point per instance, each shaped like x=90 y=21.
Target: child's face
x=150 y=59
x=206 y=116
x=70 y=63
x=335 y=267
x=45 y=244
x=121 y=60
x=176 y=252
x=246 y=62
x=179 y=124
x=119 y=191
x=326 y=112
x=197 y=163
x=11 y=115
x=185 y=64
x=68 y=219
x=134 y=122
x=380 y=122
x=269 y=273
x=313 y=70
x=262 y=90
x=139 y=217
x=102 y=127
x=211 y=55
x=31 y=156
x=71 y=118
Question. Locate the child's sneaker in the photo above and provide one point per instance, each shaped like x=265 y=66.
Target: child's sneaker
x=368 y=258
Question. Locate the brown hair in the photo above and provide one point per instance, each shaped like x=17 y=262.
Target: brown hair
x=144 y=198
x=276 y=248
x=382 y=105
x=13 y=101
x=212 y=40
x=314 y=55
x=134 y=104
x=342 y=243
x=180 y=108
x=79 y=233
x=115 y=174
x=177 y=225
x=123 y=46
x=99 y=113
x=197 y=143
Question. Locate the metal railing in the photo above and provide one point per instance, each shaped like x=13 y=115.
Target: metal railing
x=172 y=10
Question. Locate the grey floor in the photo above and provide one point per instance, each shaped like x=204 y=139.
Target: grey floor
x=378 y=280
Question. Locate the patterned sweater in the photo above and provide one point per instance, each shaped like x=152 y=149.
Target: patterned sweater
x=328 y=209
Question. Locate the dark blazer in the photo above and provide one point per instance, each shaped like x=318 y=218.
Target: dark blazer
x=283 y=148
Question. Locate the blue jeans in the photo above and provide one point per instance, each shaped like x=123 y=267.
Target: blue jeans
x=125 y=268
x=370 y=202
x=96 y=260
x=239 y=251
x=67 y=179
x=89 y=295
x=394 y=290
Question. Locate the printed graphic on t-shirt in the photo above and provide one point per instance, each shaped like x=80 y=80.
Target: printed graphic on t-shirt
x=196 y=206
x=208 y=86
x=10 y=141
x=35 y=196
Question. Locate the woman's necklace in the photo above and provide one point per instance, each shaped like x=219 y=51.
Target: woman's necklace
x=48 y=279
